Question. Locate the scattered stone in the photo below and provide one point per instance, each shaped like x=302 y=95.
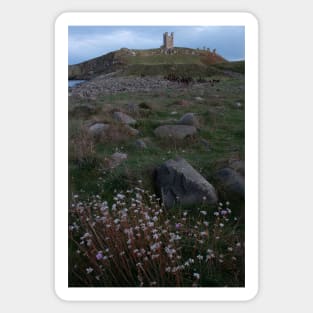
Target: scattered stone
x=123 y=118
x=230 y=183
x=131 y=131
x=175 y=131
x=116 y=159
x=112 y=84
x=189 y=119
x=139 y=143
x=97 y=129
x=180 y=184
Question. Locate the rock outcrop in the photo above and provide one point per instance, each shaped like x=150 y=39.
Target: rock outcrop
x=180 y=184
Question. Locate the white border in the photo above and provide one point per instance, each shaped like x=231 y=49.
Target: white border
x=251 y=156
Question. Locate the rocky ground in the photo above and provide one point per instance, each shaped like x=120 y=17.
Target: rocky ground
x=128 y=127
x=113 y=84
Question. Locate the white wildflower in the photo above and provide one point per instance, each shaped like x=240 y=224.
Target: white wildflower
x=120 y=196
x=199 y=257
x=155 y=246
x=196 y=275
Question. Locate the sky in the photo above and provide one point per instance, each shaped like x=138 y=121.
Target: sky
x=87 y=42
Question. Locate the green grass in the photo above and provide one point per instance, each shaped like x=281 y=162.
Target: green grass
x=164 y=59
x=236 y=66
x=193 y=70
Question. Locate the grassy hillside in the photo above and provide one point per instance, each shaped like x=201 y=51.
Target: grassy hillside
x=125 y=58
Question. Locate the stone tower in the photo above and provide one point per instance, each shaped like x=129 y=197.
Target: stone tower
x=168 y=41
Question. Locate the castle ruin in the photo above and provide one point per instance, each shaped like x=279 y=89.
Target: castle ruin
x=168 y=42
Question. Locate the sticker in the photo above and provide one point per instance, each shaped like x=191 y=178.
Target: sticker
x=156 y=156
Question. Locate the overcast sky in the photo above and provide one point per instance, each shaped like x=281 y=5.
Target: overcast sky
x=87 y=42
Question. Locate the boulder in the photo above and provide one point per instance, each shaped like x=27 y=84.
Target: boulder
x=230 y=183
x=116 y=159
x=175 y=131
x=123 y=118
x=189 y=119
x=140 y=144
x=180 y=184
x=97 y=129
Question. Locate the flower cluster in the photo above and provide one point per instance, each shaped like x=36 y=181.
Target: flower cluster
x=137 y=242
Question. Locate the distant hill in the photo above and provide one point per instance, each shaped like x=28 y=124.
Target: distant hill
x=148 y=62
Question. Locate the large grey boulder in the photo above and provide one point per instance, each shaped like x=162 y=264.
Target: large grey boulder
x=97 y=129
x=230 y=183
x=189 y=119
x=180 y=184
x=175 y=131
x=123 y=118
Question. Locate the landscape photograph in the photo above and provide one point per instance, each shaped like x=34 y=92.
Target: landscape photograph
x=156 y=156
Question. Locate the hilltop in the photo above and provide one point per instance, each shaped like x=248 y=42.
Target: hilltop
x=147 y=62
